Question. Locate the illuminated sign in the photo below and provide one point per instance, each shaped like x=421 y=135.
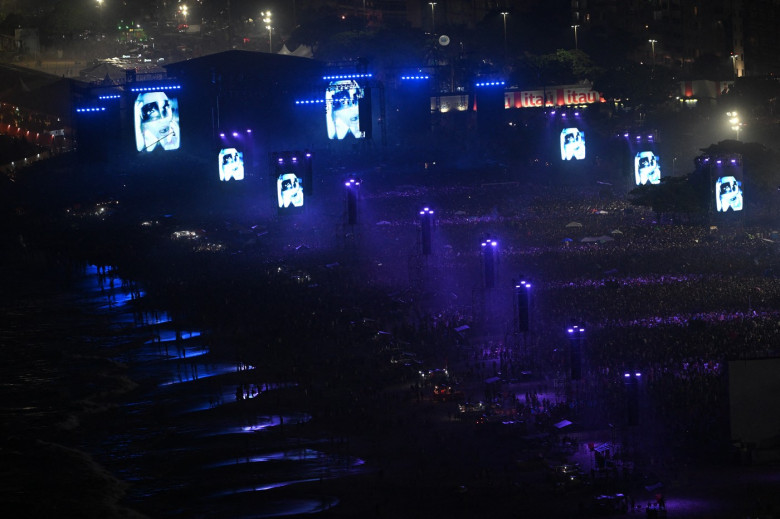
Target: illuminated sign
x=553 y=96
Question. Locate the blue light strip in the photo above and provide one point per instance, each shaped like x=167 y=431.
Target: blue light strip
x=91 y=109
x=156 y=88
x=491 y=83
x=117 y=96
x=349 y=76
x=310 y=101
x=404 y=78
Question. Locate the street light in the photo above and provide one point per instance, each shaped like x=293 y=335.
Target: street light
x=183 y=9
x=734 y=63
x=267 y=21
x=433 y=16
x=736 y=124
x=100 y=11
x=652 y=45
x=504 y=15
x=576 y=43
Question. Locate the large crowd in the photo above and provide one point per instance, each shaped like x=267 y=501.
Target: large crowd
x=672 y=301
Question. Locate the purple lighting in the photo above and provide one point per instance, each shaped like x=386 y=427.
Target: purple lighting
x=248 y=130
x=235 y=134
x=222 y=134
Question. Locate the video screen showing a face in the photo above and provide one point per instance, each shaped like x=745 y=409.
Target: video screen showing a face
x=231 y=164
x=572 y=144
x=156 y=122
x=289 y=191
x=342 y=109
x=647 y=169
x=728 y=194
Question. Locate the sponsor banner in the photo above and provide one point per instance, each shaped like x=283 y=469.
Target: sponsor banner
x=553 y=96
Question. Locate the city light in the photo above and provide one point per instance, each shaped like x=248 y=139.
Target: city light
x=652 y=45
x=576 y=43
x=267 y=21
x=734 y=121
x=504 y=14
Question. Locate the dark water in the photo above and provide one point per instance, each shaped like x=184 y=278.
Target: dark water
x=108 y=409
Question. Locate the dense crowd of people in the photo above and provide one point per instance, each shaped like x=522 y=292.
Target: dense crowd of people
x=673 y=302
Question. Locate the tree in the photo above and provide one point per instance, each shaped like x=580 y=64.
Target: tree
x=559 y=68
x=674 y=196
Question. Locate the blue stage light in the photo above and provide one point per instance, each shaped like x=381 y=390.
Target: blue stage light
x=348 y=76
x=157 y=88
x=109 y=97
x=491 y=83
x=91 y=109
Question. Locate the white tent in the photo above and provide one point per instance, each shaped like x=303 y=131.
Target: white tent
x=302 y=51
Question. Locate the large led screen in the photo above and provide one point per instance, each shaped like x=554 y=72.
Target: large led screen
x=342 y=109
x=728 y=194
x=289 y=192
x=572 y=144
x=231 y=164
x=156 y=122
x=646 y=168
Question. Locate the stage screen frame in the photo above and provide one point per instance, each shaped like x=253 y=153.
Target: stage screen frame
x=572 y=144
x=342 y=109
x=156 y=122
x=728 y=194
x=230 y=163
x=650 y=174
x=289 y=192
